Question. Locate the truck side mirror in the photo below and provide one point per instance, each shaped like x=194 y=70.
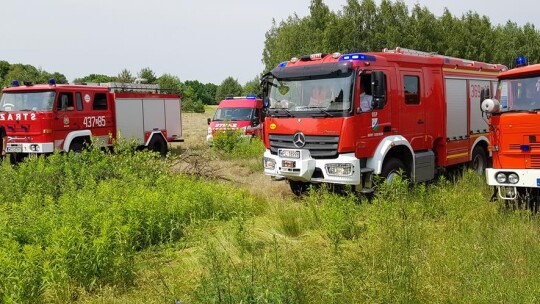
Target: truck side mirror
x=209 y=120
x=378 y=89
x=490 y=106
x=484 y=94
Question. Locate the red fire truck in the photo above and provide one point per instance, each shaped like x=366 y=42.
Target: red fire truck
x=48 y=117
x=515 y=135
x=237 y=113
x=419 y=112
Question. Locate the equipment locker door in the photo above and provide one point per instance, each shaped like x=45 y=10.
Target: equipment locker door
x=412 y=120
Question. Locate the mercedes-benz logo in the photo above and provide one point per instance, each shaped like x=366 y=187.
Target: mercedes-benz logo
x=299 y=140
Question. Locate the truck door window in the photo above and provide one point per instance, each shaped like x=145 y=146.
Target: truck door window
x=256 y=116
x=78 y=98
x=65 y=101
x=100 y=102
x=412 y=90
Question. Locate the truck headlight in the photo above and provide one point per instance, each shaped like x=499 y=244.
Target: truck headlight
x=209 y=132
x=500 y=177
x=269 y=163
x=339 y=169
x=513 y=178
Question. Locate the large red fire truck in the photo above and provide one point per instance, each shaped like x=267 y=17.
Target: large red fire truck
x=419 y=112
x=515 y=135
x=48 y=117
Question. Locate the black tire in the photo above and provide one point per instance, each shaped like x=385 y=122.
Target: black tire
x=391 y=168
x=76 y=147
x=299 y=188
x=479 y=160
x=158 y=144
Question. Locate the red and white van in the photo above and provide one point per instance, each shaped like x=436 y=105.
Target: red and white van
x=233 y=113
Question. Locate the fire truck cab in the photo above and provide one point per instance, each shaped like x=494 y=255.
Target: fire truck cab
x=45 y=118
x=343 y=118
x=515 y=134
x=237 y=113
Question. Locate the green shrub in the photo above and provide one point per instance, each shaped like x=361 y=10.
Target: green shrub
x=235 y=145
x=75 y=221
x=189 y=105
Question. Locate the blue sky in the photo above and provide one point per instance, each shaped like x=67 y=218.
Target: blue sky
x=194 y=40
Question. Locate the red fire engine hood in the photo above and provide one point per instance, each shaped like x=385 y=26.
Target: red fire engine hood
x=308 y=126
x=229 y=124
x=25 y=125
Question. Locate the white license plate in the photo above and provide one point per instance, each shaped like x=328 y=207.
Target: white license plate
x=14 y=149
x=289 y=153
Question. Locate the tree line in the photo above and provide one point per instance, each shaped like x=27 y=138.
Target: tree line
x=360 y=26
x=194 y=93
x=363 y=26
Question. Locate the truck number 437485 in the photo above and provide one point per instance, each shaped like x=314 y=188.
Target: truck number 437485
x=94 y=121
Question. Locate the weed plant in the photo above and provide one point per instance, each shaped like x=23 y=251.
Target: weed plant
x=72 y=222
x=234 y=145
x=435 y=243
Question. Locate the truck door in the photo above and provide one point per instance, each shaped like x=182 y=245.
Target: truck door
x=412 y=120
x=66 y=118
x=99 y=118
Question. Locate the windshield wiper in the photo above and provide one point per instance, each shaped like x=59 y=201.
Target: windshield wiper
x=322 y=111
x=281 y=113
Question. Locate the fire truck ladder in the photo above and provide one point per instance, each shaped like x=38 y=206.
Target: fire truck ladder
x=131 y=87
x=400 y=50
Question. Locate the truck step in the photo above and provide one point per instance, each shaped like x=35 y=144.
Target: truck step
x=367 y=191
x=366 y=170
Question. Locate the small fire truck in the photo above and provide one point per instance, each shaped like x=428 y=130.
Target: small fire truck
x=48 y=117
x=515 y=134
x=384 y=112
x=237 y=113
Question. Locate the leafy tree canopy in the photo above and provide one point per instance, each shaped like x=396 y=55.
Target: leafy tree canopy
x=229 y=87
x=364 y=26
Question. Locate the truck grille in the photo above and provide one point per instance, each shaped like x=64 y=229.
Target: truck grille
x=535 y=161
x=318 y=146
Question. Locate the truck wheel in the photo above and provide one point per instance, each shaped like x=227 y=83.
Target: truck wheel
x=299 y=188
x=391 y=169
x=478 y=160
x=76 y=147
x=158 y=144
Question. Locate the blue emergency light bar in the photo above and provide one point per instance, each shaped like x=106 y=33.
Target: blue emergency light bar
x=283 y=64
x=251 y=96
x=357 y=56
x=52 y=81
x=15 y=83
x=521 y=61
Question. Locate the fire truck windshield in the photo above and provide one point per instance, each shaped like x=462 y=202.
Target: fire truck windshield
x=306 y=95
x=521 y=94
x=27 y=101
x=233 y=114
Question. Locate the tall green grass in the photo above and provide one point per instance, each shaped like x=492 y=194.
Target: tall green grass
x=234 y=145
x=438 y=243
x=71 y=222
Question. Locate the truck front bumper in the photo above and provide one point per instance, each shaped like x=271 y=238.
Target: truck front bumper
x=527 y=178
x=345 y=169
x=29 y=147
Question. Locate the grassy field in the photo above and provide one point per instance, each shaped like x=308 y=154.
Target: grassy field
x=130 y=227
